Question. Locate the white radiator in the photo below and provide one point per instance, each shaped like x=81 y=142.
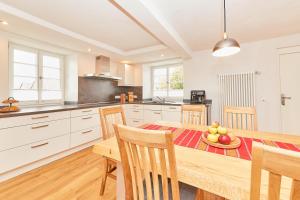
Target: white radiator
x=236 y=90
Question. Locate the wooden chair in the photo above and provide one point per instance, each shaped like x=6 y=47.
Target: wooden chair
x=109 y=116
x=144 y=151
x=278 y=162
x=240 y=118
x=194 y=115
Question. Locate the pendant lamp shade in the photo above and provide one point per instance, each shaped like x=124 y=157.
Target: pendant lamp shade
x=227 y=46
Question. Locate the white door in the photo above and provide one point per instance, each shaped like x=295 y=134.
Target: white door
x=290 y=92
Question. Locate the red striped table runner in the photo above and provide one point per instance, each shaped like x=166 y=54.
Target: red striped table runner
x=192 y=139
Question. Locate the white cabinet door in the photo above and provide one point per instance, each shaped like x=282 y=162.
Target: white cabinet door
x=23 y=155
x=135 y=122
x=171 y=116
x=151 y=116
x=85 y=136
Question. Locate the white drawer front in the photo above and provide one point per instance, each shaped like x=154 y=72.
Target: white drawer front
x=152 y=116
x=134 y=106
x=22 y=135
x=84 y=122
x=84 y=136
x=152 y=107
x=32 y=119
x=171 y=116
x=82 y=112
x=135 y=122
x=134 y=114
x=171 y=108
x=23 y=155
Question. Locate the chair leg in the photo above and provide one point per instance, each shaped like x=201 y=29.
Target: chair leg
x=103 y=181
x=199 y=195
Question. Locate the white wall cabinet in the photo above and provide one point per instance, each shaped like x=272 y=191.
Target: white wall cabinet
x=131 y=75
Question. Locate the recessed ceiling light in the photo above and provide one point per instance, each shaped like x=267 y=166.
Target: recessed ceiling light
x=3 y=22
x=162 y=55
x=89 y=49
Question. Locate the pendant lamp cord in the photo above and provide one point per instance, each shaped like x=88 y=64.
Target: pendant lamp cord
x=225 y=17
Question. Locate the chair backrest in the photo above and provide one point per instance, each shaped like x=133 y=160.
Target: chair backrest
x=194 y=115
x=240 y=118
x=109 y=116
x=144 y=151
x=278 y=162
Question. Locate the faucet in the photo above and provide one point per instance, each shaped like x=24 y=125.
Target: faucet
x=163 y=100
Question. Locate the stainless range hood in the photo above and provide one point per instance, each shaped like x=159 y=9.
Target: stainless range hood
x=102 y=69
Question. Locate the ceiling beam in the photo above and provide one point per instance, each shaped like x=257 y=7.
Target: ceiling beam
x=36 y=20
x=148 y=17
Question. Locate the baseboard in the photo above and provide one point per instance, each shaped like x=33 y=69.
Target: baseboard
x=21 y=170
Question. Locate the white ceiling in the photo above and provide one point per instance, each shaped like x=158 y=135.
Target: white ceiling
x=96 y=19
x=142 y=30
x=199 y=22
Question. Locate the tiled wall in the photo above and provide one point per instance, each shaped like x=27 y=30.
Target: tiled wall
x=92 y=90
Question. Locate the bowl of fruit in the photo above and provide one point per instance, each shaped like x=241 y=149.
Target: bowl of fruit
x=219 y=137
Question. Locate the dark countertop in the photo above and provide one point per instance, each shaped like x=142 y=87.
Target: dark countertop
x=58 y=108
x=49 y=109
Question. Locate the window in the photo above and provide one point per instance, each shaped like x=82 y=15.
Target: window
x=35 y=76
x=167 y=81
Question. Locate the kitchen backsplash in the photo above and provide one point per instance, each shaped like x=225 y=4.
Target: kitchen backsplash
x=101 y=90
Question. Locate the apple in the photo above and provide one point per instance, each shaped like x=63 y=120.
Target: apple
x=224 y=139
x=215 y=124
x=213 y=137
x=222 y=130
x=212 y=130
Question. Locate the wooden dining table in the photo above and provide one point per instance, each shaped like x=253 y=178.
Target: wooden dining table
x=226 y=176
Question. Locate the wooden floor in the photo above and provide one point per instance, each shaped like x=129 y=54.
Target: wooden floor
x=76 y=177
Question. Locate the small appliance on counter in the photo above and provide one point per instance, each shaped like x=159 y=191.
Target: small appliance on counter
x=10 y=108
x=198 y=96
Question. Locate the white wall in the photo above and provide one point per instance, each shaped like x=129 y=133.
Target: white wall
x=201 y=72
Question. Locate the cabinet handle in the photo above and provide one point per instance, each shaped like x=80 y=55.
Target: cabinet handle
x=84 y=111
x=135 y=121
x=85 y=132
x=172 y=108
x=41 y=117
x=136 y=111
x=39 y=145
x=157 y=113
x=87 y=118
x=42 y=126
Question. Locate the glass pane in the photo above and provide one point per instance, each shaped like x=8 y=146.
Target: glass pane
x=51 y=73
x=25 y=95
x=160 y=84
x=51 y=95
x=50 y=61
x=175 y=81
x=51 y=84
x=25 y=57
x=25 y=70
x=25 y=83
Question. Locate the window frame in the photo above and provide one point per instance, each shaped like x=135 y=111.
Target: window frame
x=40 y=53
x=168 y=83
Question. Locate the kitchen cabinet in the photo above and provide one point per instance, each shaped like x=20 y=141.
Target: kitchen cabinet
x=130 y=74
x=171 y=113
x=152 y=113
x=19 y=156
x=30 y=138
x=134 y=114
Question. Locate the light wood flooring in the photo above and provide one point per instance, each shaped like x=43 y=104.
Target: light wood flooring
x=76 y=177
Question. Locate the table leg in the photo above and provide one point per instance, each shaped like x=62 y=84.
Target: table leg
x=120 y=182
